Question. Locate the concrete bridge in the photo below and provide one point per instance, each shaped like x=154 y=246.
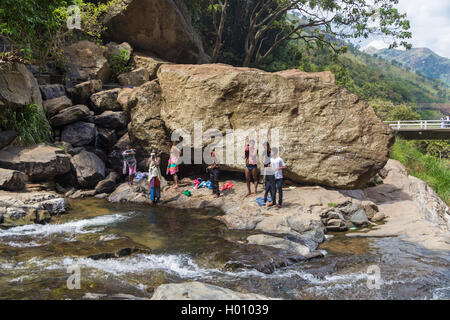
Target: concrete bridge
x=421 y=129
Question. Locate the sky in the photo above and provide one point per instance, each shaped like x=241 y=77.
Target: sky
x=430 y=26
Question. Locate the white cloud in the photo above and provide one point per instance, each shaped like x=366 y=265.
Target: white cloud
x=378 y=44
x=430 y=25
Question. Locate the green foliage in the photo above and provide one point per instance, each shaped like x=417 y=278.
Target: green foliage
x=425 y=167
x=29 y=122
x=387 y=111
x=437 y=148
x=119 y=64
x=37 y=29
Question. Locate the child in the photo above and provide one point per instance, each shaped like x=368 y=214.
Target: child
x=129 y=159
x=277 y=164
x=269 y=180
x=154 y=177
x=214 y=174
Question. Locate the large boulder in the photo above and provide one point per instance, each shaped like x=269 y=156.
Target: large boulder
x=106 y=138
x=112 y=119
x=70 y=115
x=146 y=129
x=18 y=86
x=134 y=78
x=82 y=92
x=55 y=105
x=108 y=184
x=115 y=156
x=327 y=135
x=12 y=180
x=159 y=26
x=106 y=100
x=86 y=61
x=39 y=163
x=200 y=291
x=149 y=62
x=89 y=168
x=6 y=137
x=79 y=134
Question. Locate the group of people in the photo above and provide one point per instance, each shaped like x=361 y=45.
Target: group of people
x=272 y=171
x=445 y=122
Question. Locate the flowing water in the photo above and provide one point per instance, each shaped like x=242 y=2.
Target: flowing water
x=187 y=245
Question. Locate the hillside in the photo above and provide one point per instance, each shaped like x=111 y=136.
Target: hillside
x=420 y=60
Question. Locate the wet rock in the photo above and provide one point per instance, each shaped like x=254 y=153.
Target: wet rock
x=112 y=119
x=200 y=291
x=370 y=208
x=18 y=86
x=106 y=100
x=12 y=180
x=19 y=208
x=359 y=218
x=139 y=193
x=89 y=169
x=79 y=133
x=172 y=38
x=134 y=78
x=86 y=61
x=266 y=240
x=81 y=194
x=107 y=185
x=39 y=163
x=82 y=92
x=52 y=91
x=55 y=105
x=70 y=115
x=6 y=137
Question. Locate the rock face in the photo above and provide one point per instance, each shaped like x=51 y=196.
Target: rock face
x=87 y=61
x=200 y=291
x=12 y=180
x=149 y=62
x=18 y=86
x=79 y=133
x=89 y=169
x=159 y=26
x=327 y=135
x=108 y=185
x=52 y=91
x=39 y=163
x=20 y=208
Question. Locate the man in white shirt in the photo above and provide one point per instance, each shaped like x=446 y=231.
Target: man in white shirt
x=277 y=164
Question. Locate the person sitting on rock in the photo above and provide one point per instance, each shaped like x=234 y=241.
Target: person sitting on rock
x=172 y=166
x=251 y=167
x=154 y=176
x=129 y=159
x=277 y=164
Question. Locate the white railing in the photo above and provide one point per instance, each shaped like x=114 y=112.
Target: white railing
x=419 y=124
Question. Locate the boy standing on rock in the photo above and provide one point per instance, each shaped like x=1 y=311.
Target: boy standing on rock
x=277 y=164
x=214 y=174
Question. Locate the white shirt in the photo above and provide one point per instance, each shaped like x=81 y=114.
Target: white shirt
x=275 y=164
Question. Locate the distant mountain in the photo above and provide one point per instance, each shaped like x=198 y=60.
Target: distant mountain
x=420 y=60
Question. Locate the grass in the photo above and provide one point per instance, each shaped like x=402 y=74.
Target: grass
x=428 y=168
x=29 y=122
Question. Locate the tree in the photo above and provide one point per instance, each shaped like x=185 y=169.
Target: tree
x=218 y=26
x=37 y=29
x=321 y=22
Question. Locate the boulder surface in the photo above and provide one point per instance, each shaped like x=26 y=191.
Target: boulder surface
x=89 y=168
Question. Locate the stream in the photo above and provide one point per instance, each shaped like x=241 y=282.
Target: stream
x=189 y=245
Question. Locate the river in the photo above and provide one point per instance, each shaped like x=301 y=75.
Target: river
x=190 y=245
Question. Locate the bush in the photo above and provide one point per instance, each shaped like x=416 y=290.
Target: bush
x=29 y=122
x=119 y=64
x=425 y=167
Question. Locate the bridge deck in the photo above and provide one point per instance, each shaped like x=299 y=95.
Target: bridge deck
x=421 y=129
